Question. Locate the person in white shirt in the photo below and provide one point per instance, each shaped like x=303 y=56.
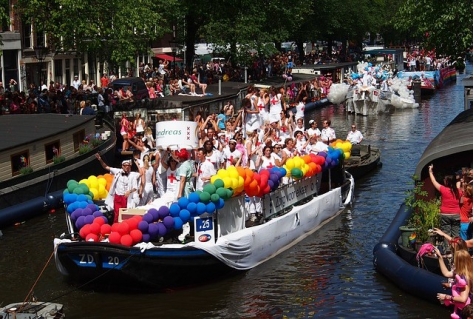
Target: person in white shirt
x=354 y=136
x=319 y=146
x=205 y=170
x=327 y=133
x=76 y=83
x=313 y=130
x=232 y=156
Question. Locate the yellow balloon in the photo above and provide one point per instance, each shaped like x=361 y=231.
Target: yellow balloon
x=214 y=178
x=241 y=181
x=235 y=183
x=346 y=146
x=102 y=181
x=222 y=173
x=102 y=191
x=347 y=155
x=92 y=178
x=95 y=192
x=94 y=184
x=227 y=182
x=290 y=163
x=233 y=173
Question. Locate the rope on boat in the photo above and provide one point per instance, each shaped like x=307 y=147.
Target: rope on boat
x=30 y=293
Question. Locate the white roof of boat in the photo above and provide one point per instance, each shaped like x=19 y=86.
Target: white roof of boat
x=20 y=129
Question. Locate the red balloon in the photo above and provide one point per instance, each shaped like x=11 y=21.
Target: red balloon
x=92 y=237
x=114 y=238
x=85 y=230
x=105 y=229
x=95 y=228
x=264 y=172
x=115 y=227
x=126 y=240
x=136 y=235
x=99 y=220
x=132 y=223
x=256 y=177
x=123 y=228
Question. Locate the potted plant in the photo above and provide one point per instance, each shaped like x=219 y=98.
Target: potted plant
x=58 y=159
x=26 y=170
x=425 y=212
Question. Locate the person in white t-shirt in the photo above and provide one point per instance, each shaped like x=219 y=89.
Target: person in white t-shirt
x=205 y=170
x=327 y=133
x=313 y=129
x=232 y=156
x=354 y=136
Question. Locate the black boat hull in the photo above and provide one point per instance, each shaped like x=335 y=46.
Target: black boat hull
x=152 y=270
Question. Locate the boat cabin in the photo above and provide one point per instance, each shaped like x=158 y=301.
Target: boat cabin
x=31 y=142
x=334 y=71
x=392 y=57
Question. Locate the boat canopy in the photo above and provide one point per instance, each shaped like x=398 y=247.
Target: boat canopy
x=456 y=137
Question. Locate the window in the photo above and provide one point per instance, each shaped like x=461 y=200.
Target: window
x=26 y=26
x=78 y=137
x=52 y=150
x=19 y=161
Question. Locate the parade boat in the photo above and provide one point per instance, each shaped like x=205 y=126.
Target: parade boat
x=222 y=243
x=41 y=153
x=449 y=150
x=148 y=247
x=32 y=310
x=363 y=159
x=430 y=80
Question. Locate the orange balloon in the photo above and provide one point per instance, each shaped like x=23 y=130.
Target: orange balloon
x=247 y=181
x=307 y=159
x=241 y=171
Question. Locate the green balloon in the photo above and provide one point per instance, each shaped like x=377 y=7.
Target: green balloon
x=210 y=188
x=205 y=197
x=215 y=198
x=222 y=192
x=85 y=189
x=296 y=173
x=218 y=183
x=230 y=192
x=77 y=190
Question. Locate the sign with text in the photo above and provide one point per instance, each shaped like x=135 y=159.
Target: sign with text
x=176 y=135
x=289 y=194
x=204 y=230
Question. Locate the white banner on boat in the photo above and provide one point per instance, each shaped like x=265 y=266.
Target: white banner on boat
x=176 y=135
x=287 y=195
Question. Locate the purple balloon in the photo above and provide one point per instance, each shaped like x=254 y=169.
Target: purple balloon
x=274 y=177
x=148 y=218
x=271 y=184
x=86 y=212
x=154 y=213
x=146 y=238
x=168 y=221
x=161 y=229
x=323 y=154
x=80 y=222
x=89 y=219
x=143 y=226
x=92 y=207
x=153 y=230
x=97 y=213
x=163 y=211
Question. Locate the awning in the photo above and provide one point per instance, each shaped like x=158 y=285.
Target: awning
x=168 y=57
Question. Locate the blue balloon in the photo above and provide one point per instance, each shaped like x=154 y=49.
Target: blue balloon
x=178 y=223
x=184 y=214
x=192 y=208
x=174 y=210
x=211 y=207
x=220 y=204
x=183 y=202
x=146 y=238
x=81 y=204
x=194 y=197
x=201 y=208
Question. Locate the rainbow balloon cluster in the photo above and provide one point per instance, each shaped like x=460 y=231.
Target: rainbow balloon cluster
x=345 y=146
x=94 y=187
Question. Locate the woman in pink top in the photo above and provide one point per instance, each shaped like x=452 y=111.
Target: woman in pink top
x=450 y=209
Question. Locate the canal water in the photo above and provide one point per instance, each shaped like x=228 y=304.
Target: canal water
x=328 y=275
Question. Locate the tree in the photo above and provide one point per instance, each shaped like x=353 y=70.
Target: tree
x=113 y=30
x=442 y=25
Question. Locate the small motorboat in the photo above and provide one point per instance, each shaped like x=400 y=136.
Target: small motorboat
x=364 y=158
x=33 y=310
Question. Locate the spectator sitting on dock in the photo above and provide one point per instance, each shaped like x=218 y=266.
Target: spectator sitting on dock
x=195 y=81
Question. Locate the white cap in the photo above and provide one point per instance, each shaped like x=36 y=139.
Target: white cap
x=129 y=162
x=311 y=121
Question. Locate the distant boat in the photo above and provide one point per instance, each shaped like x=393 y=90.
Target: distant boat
x=33 y=310
x=42 y=152
x=364 y=159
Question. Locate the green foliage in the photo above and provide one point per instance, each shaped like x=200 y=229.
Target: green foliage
x=443 y=25
x=425 y=213
x=58 y=159
x=84 y=148
x=26 y=170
